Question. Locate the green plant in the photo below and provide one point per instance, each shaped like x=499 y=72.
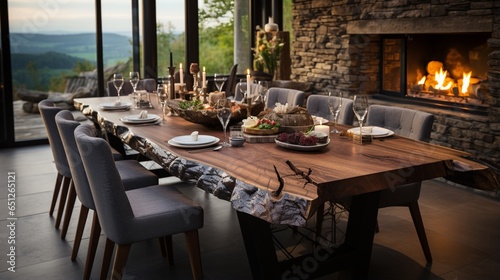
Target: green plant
x=267 y=52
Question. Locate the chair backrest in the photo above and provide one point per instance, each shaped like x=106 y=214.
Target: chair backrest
x=284 y=95
x=111 y=202
x=318 y=105
x=405 y=122
x=231 y=82
x=254 y=88
x=67 y=125
x=48 y=112
x=144 y=84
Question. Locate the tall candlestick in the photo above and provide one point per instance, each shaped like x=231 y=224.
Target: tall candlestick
x=204 y=78
x=248 y=82
x=181 y=74
x=171 y=61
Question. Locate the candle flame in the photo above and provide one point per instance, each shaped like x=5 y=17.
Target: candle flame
x=180 y=66
x=203 y=68
x=248 y=71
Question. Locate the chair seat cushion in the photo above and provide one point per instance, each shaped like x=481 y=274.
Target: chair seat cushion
x=160 y=210
x=134 y=175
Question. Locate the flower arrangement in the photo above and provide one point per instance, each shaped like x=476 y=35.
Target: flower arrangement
x=267 y=52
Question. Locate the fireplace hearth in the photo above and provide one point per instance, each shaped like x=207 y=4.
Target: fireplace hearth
x=442 y=70
x=340 y=45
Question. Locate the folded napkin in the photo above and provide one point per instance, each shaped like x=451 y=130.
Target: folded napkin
x=143 y=114
x=194 y=135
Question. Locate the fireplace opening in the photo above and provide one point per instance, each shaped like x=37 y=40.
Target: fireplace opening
x=442 y=70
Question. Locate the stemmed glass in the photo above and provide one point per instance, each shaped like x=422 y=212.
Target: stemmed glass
x=134 y=79
x=335 y=104
x=264 y=86
x=243 y=89
x=360 y=108
x=118 y=83
x=162 y=99
x=223 y=107
x=219 y=81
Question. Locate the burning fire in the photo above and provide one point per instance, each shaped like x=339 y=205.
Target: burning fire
x=422 y=81
x=440 y=79
x=466 y=82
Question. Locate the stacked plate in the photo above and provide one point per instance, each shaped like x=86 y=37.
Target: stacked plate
x=114 y=106
x=187 y=141
x=137 y=119
x=374 y=131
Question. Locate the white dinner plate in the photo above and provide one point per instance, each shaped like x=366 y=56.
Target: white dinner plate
x=188 y=140
x=113 y=106
x=134 y=119
x=316 y=147
x=175 y=144
x=376 y=131
x=137 y=118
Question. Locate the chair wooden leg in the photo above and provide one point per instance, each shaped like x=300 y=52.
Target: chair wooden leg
x=106 y=259
x=162 y=246
x=57 y=188
x=93 y=242
x=62 y=200
x=82 y=219
x=121 y=255
x=320 y=213
x=70 y=204
x=193 y=245
x=419 y=226
x=170 y=251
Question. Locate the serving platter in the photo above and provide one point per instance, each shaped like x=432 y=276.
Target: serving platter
x=316 y=147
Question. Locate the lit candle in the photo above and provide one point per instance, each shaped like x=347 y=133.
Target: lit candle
x=181 y=74
x=204 y=78
x=322 y=128
x=248 y=82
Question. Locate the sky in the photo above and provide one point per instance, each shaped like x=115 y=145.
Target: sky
x=76 y=16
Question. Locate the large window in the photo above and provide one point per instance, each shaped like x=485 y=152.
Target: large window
x=50 y=42
x=54 y=43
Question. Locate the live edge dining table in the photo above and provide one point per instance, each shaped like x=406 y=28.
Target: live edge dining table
x=246 y=176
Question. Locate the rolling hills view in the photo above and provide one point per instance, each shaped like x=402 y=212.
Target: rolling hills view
x=39 y=58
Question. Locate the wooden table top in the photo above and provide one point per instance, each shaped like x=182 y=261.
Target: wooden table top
x=340 y=170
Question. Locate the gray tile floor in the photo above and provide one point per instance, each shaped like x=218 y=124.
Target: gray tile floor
x=463 y=228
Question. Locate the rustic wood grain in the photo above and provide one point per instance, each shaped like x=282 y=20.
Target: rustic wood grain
x=246 y=175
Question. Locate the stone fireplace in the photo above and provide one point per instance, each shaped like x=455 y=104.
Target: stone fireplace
x=385 y=48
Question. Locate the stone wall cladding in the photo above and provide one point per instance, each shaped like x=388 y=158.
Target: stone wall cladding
x=329 y=58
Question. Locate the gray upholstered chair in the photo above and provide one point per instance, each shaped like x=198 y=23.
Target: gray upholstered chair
x=48 y=112
x=317 y=105
x=284 y=95
x=132 y=174
x=145 y=84
x=126 y=217
x=415 y=125
x=231 y=81
x=254 y=88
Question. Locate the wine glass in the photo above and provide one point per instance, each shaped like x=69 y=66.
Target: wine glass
x=223 y=107
x=118 y=83
x=264 y=86
x=219 y=81
x=162 y=99
x=243 y=89
x=134 y=79
x=360 y=108
x=335 y=104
